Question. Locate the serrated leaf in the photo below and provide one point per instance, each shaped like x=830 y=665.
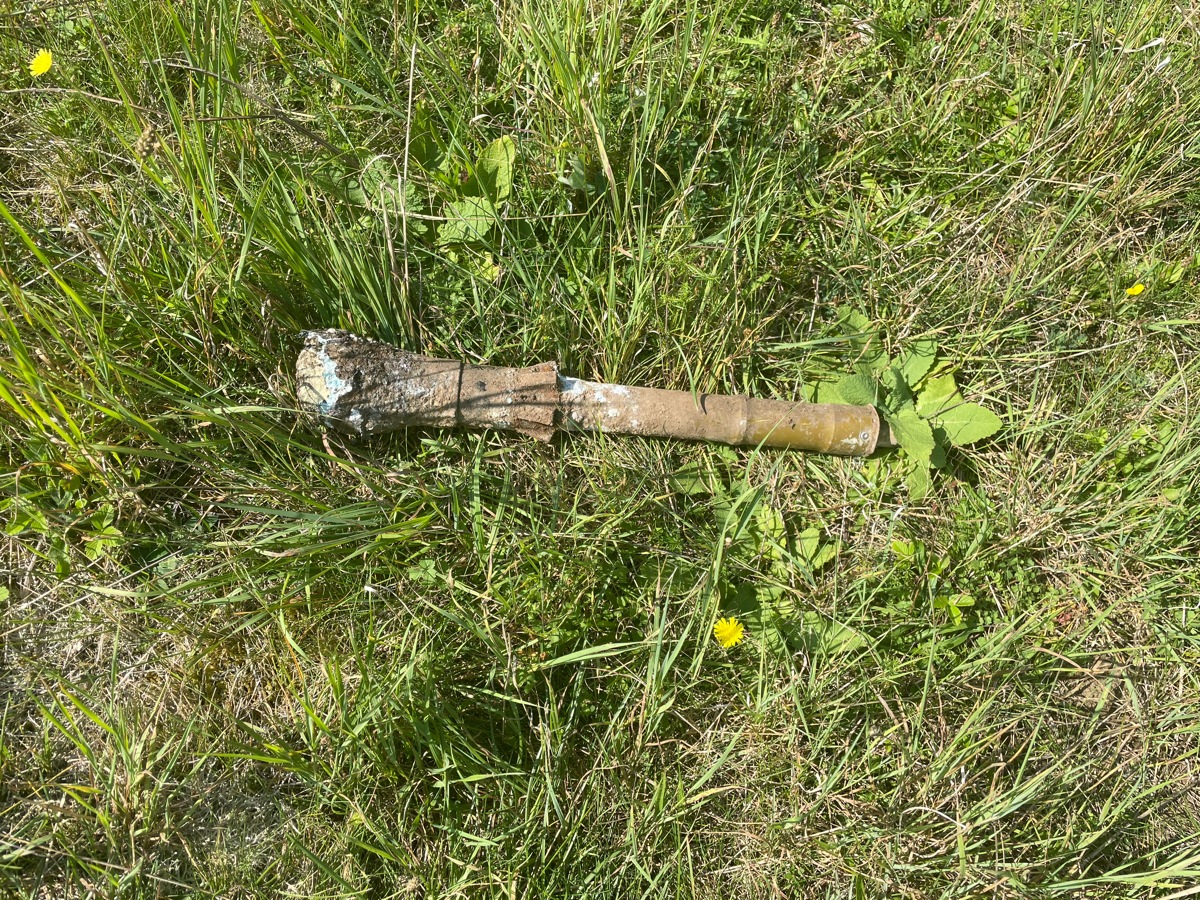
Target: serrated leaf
x=912 y=433
x=917 y=361
x=379 y=189
x=494 y=169
x=103 y=517
x=770 y=522
x=825 y=392
x=856 y=390
x=938 y=458
x=918 y=482
x=968 y=422
x=899 y=393
x=829 y=636
x=812 y=551
x=864 y=339
x=938 y=393
x=467 y=220
x=98 y=543
x=379 y=170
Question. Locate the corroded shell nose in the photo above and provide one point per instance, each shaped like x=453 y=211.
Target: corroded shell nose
x=366 y=387
x=318 y=385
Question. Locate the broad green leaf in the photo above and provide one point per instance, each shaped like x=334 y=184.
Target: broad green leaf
x=823 y=633
x=763 y=624
x=954 y=605
x=468 y=219
x=826 y=392
x=103 y=517
x=917 y=361
x=98 y=542
x=853 y=320
x=414 y=225
x=864 y=339
x=771 y=530
x=899 y=393
x=379 y=175
x=918 y=482
x=483 y=265
x=378 y=188
x=494 y=169
x=968 y=422
x=27 y=520
x=857 y=390
x=770 y=522
x=774 y=628
x=912 y=433
x=941 y=441
x=812 y=551
x=937 y=394
x=695 y=479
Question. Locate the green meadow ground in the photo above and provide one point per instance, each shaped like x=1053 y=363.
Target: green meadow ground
x=241 y=658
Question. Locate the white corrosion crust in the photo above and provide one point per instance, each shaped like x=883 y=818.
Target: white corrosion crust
x=597 y=407
x=323 y=391
x=854 y=445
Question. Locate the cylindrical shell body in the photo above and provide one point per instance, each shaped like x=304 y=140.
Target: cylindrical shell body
x=615 y=408
x=524 y=400
x=821 y=427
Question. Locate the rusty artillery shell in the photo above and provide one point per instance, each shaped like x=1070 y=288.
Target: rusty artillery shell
x=368 y=387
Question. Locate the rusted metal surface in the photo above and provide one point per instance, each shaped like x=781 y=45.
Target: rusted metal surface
x=368 y=387
x=742 y=421
x=524 y=400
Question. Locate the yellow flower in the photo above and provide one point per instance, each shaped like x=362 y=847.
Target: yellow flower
x=1135 y=290
x=728 y=632
x=41 y=63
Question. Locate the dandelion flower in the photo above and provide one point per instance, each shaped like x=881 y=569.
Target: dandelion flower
x=1135 y=290
x=41 y=63
x=728 y=632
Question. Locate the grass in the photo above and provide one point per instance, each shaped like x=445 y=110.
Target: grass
x=242 y=658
